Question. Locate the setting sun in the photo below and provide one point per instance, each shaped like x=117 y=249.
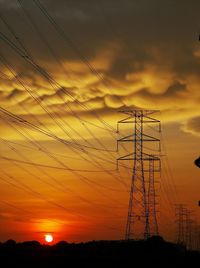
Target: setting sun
x=48 y=238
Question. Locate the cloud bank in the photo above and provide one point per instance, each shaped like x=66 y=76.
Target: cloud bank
x=146 y=54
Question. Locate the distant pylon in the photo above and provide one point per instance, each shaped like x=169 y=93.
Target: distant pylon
x=189 y=230
x=181 y=221
x=152 y=204
x=197 y=235
x=141 y=220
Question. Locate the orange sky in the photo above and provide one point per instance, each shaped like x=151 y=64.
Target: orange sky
x=121 y=54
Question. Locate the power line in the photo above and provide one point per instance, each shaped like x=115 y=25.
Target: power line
x=84 y=150
x=44 y=73
x=44 y=40
x=35 y=193
x=89 y=182
x=25 y=122
x=70 y=42
x=48 y=166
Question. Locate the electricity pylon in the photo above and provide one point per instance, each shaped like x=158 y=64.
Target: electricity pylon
x=151 y=201
x=181 y=220
x=141 y=220
x=189 y=230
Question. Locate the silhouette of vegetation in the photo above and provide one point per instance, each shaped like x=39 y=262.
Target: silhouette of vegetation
x=97 y=254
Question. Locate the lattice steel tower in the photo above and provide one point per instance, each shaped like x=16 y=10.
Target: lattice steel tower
x=181 y=220
x=152 y=201
x=142 y=219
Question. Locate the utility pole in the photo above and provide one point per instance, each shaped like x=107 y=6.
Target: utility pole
x=142 y=219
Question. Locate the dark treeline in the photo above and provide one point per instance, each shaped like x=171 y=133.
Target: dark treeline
x=97 y=254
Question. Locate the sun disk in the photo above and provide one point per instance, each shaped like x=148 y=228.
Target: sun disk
x=48 y=238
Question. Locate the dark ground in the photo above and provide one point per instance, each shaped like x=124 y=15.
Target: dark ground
x=155 y=251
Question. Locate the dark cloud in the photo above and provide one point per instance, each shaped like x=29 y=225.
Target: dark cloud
x=175 y=90
x=193 y=126
x=16 y=92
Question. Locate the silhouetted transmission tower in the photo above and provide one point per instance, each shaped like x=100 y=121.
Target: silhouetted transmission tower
x=181 y=220
x=151 y=201
x=142 y=218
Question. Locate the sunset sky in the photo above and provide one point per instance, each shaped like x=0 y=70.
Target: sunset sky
x=69 y=77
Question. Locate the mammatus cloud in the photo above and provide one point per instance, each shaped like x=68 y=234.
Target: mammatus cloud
x=153 y=64
x=192 y=126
